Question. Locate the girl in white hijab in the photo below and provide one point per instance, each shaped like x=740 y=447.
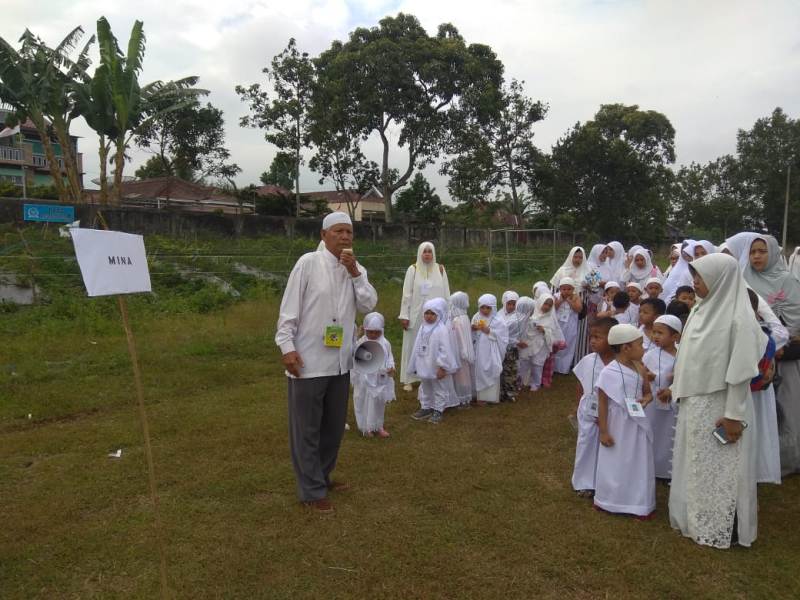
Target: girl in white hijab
x=770 y=278
x=426 y=279
x=616 y=260
x=372 y=391
x=674 y=254
x=679 y=275
x=508 y=379
x=640 y=268
x=575 y=266
x=490 y=336
x=598 y=262
x=434 y=360
x=462 y=331
x=541 y=332
x=714 y=484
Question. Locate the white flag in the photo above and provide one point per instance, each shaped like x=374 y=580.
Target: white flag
x=111 y=262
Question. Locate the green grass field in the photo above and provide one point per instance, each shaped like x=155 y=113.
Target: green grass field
x=478 y=507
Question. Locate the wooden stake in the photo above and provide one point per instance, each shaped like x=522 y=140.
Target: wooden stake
x=148 y=451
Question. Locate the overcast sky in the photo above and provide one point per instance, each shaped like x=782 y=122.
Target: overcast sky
x=712 y=66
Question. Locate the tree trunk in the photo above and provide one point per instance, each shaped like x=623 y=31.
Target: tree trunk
x=103 y=170
x=386 y=188
x=55 y=172
x=119 y=165
x=70 y=163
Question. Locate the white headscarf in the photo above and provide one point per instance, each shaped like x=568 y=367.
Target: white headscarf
x=539 y=288
x=486 y=300
x=674 y=249
x=641 y=273
x=678 y=276
x=722 y=341
x=459 y=304
x=569 y=270
x=525 y=308
x=794 y=263
x=739 y=247
x=545 y=319
x=508 y=296
x=439 y=306
x=617 y=264
x=707 y=246
x=777 y=286
x=603 y=267
x=374 y=322
x=429 y=271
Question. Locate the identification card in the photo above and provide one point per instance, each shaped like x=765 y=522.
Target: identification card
x=591 y=405
x=423 y=349
x=334 y=334
x=635 y=409
x=425 y=288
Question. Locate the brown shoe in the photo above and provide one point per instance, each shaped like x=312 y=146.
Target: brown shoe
x=323 y=505
x=338 y=486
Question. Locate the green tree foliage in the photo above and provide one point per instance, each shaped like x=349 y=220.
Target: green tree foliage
x=611 y=176
x=764 y=153
x=496 y=153
x=187 y=142
x=281 y=171
x=419 y=201
x=396 y=80
x=284 y=117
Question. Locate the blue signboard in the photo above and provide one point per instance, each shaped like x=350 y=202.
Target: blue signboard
x=48 y=213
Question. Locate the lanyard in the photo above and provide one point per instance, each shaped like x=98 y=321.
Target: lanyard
x=622 y=375
x=594 y=370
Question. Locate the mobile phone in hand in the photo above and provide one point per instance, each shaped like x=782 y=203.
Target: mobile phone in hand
x=720 y=435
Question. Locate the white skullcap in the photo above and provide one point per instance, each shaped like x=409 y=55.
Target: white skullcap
x=567 y=281
x=633 y=284
x=653 y=280
x=623 y=334
x=671 y=321
x=373 y=322
x=610 y=284
x=336 y=218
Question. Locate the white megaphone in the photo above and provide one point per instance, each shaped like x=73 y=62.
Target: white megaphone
x=368 y=357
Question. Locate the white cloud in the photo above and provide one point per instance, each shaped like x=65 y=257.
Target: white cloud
x=712 y=67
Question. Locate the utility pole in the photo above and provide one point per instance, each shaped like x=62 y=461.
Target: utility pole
x=786 y=207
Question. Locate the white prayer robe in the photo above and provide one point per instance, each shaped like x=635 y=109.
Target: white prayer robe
x=662 y=416
x=625 y=481
x=433 y=349
x=463 y=378
x=319 y=290
x=372 y=391
x=583 y=474
x=768 y=450
x=647 y=343
x=568 y=322
x=490 y=350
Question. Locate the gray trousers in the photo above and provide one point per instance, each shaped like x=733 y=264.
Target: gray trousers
x=317 y=415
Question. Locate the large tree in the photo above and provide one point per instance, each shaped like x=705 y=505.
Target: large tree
x=419 y=201
x=397 y=82
x=188 y=142
x=284 y=115
x=610 y=174
x=496 y=153
x=765 y=153
x=281 y=171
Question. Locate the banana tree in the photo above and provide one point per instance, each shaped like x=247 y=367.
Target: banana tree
x=133 y=105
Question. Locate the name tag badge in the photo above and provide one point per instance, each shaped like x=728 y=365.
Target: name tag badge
x=423 y=349
x=334 y=334
x=635 y=409
x=591 y=406
x=425 y=288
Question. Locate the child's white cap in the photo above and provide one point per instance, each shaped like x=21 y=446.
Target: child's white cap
x=567 y=281
x=610 y=284
x=671 y=321
x=623 y=334
x=373 y=322
x=653 y=280
x=633 y=284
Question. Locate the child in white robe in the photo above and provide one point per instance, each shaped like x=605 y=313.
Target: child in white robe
x=434 y=360
x=508 y=378
x=490 y=336
x=588 y=372
x=662 y=413
x=540 y=332
x=568 y=306
x=625 y=481
x=606 y=307
x=462 y=331
x=624 y=311
x=372 y=391
x=653 y=287
x=649 y=310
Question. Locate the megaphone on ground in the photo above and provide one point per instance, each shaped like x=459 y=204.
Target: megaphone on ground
x=368 y=357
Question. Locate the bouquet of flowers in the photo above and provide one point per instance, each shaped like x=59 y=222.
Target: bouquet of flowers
x=592 y=280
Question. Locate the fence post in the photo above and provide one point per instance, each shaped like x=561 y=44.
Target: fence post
x=555 y=233
x=491 y=276
x=508 y=260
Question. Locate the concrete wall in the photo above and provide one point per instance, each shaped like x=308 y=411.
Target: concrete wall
x=185 y=224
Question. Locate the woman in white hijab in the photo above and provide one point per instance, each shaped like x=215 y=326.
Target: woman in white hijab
x=575 y=266
x=714 y=484
x=425 y=280
x=679 y=275
x=615 y=253
x=771 y=280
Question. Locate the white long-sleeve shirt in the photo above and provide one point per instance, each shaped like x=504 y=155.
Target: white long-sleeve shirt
x=320 y=292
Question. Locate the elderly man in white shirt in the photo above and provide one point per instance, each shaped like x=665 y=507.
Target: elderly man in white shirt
x=316 y=330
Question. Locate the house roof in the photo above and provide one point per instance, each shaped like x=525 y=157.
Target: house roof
x=272 y=190
x=352 y=196
x=172 y=188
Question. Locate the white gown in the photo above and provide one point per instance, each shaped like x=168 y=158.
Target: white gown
x=588 y=372
x=625 y=481
x=768 y=450
x=490 y=350
x=568 y=321
x=662 y=416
